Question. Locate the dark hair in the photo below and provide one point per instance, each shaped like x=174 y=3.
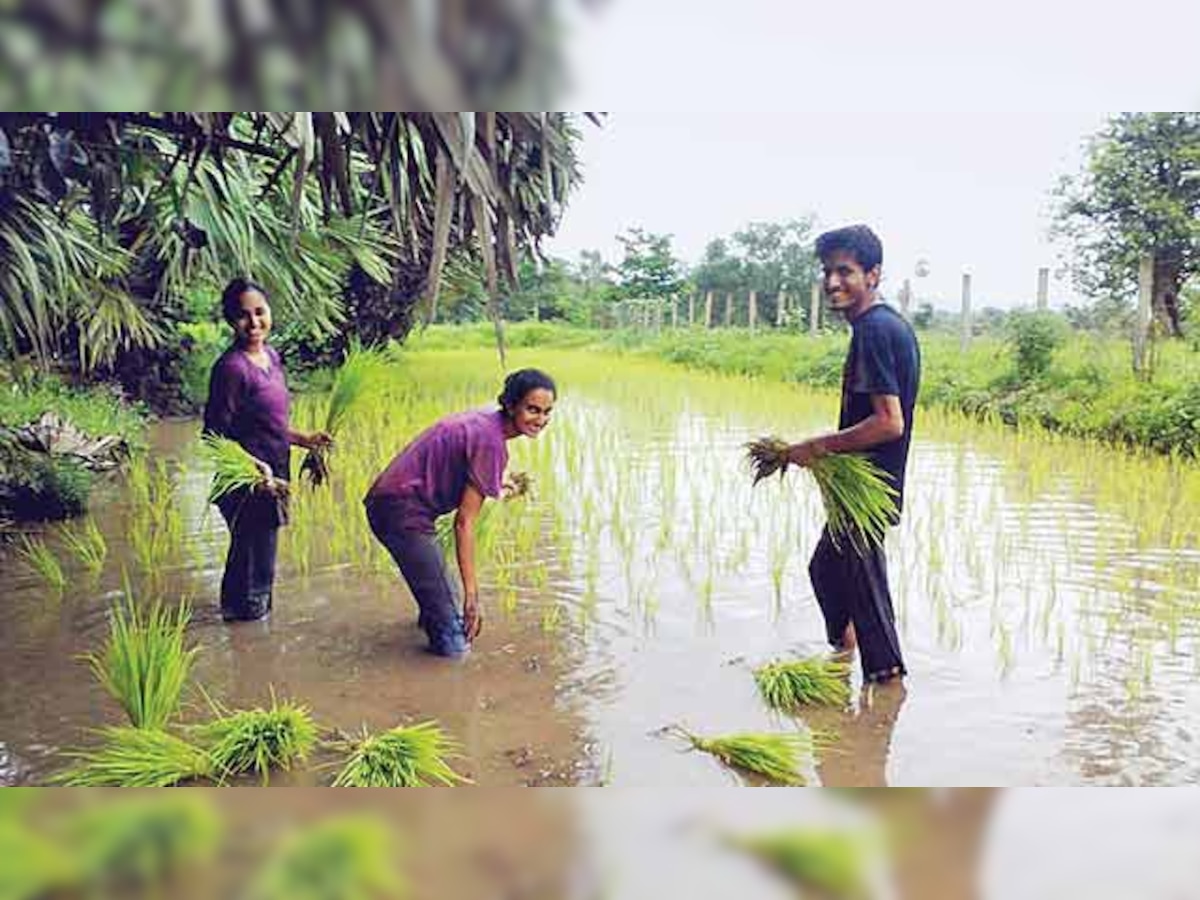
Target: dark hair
x=231 y=297
x=520 y=383
x=857 y=240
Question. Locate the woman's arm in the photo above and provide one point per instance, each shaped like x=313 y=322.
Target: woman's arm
x=464 y=543
x=309 y=441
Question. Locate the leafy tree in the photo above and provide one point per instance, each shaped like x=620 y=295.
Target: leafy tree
x=649 y=268
x=1138 y=194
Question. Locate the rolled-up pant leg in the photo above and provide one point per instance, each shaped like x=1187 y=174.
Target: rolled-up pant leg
x=853 y=587
x=423 y=566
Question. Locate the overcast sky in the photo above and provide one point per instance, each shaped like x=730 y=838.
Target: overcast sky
x=1009 y=92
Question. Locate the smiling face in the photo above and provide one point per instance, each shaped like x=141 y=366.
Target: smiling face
x=532 y=413
x=849 y=289
x=253 y=322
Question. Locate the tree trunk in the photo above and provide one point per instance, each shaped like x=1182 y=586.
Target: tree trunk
x=1168 y=280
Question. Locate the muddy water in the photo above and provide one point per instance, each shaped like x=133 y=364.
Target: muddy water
x=1050 y=613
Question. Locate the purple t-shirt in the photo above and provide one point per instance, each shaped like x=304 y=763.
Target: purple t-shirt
x=428 y=477
x=250 y=406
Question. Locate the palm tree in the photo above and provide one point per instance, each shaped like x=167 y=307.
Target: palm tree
x=138 y=208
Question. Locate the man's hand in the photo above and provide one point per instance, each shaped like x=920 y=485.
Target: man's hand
x=472 y=617
x=317 y=440
x=803 y=453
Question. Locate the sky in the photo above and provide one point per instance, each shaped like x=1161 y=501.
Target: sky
x=983 y=110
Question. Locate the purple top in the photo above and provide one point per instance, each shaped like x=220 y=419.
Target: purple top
x=428 y=477
x=250 y=406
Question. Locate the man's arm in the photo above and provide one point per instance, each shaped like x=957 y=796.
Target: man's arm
x=885 y=424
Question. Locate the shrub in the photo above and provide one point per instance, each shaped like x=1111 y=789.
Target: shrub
x=1034 y=337
x=40 y=487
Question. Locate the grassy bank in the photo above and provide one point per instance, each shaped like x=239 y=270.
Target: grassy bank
x=96 y=411
x=1088 y=391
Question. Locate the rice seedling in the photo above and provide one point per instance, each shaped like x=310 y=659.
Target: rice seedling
x=776 y=757
x=88 y=546
x=234 y=468
x=815 y=681
x=136 y=757
x=33 y=865
x=831 y=863
x=408 y=756
x=42 y=562
x=349 y=856
x=144 y=664
x=361 y=373
x=137 y=846
x=257 y=740
x=859 y=501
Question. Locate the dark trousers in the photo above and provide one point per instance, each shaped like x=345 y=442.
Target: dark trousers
x=852 y=587
x=423 y=565
x=249 y=578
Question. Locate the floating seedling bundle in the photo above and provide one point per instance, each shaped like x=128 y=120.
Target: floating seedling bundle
x=411 y=756
x=776 y=757
x=361 y=373
x=859 y=499
x=816 y=681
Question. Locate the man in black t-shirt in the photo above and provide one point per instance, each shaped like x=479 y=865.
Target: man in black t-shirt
x=879 y=391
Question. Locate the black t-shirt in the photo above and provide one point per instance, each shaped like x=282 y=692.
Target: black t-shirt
x=883 y=359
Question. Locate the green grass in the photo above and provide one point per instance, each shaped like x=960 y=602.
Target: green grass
x=363 y=373
x=96 y=411
x=42 y=562
x=145 y=664
x=350 y=856
x=87 y=545
x=258 y=740
x=816 y=681
x=411 y=756
x=136 y=757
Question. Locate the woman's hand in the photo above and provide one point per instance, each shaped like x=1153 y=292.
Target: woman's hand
x=472 y=617
x=316 y=441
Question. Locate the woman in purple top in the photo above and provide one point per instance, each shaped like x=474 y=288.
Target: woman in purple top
x=248 y=403
x=454 y=465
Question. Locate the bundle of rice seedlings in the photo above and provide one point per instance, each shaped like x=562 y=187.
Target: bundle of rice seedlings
x=31 y=865
x=89 y=547
x=144 y=664
x=42 y=561
x=135 y=846
x=234 y=468
x=859 y=499
x=832 y=863
x=136 y=757
x=258 y=740
x=362 y=372
x=410 y=756
x=816 y=681
x=519 y=485
x=774 y=756
x=350 y=856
